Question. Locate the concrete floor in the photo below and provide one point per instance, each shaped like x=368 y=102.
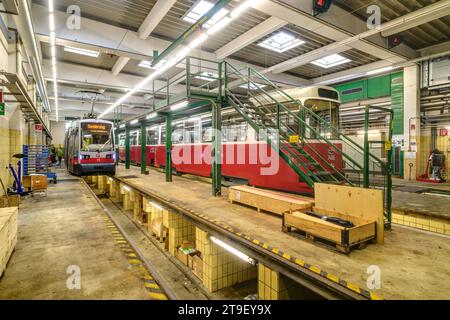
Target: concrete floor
x=414 y=264
x=59 y=230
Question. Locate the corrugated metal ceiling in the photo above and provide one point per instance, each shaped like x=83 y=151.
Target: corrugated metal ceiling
x=425 y=35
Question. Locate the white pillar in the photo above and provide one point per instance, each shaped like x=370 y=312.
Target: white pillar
x=412 y=120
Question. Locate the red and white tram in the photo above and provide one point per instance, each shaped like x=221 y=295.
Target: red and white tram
x=90 y=147
x=192 y=140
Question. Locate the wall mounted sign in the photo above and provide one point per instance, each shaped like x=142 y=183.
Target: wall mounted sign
x=38 y=127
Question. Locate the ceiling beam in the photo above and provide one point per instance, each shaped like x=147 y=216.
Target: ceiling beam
x=119 y=65
x=435 y=49
x=424 y=15
x=337 y=25
x=251 y=36
x=110 y=39
x=155 y=16
x=344 y=45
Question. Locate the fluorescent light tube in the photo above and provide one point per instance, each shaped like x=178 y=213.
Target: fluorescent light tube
x=156 y=205
x=379 y=70
x=232 y=250
x=179 y=105
x=84 y=52
x=134 y=121
x=151 y=116
x=198 y=41
x=126 y=188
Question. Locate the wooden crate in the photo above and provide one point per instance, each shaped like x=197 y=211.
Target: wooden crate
x=8 y=235
x=366 y=204
x=270 y=201
x=10 y=201
x=342 y=238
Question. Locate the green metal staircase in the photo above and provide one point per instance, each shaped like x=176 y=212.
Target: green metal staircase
x=271 y=112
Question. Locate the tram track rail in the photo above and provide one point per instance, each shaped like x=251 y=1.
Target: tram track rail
x=155 y=284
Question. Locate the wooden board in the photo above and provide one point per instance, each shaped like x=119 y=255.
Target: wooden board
x=8 y=235
x=363 y=203
x=270 y=201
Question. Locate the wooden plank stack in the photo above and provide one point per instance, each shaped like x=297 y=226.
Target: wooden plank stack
x=8 y=235
x=269 y=201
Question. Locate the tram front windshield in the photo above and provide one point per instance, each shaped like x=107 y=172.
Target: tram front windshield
x=328 y=111
x=96 y=137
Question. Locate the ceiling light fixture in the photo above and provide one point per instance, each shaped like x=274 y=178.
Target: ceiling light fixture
x=134 y=121
x=179 y=106
x=51 y=24
x=148 y=64
x=151 y=116
x=83 y=52
x=369 y=73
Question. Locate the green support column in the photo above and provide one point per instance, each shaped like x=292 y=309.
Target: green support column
x=366 y=148
x=217 y=150
x=143 y=147
x=127 y=148
x=169 y=148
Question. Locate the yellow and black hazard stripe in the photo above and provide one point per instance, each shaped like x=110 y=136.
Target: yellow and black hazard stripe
x=298 y=261
x=154 y=290
x=365 y=293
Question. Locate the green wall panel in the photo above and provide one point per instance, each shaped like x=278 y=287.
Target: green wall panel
x=397 y=97
x=379 y=87
x=353 y=91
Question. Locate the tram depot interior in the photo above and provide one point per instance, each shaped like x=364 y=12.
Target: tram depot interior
x=224 y=150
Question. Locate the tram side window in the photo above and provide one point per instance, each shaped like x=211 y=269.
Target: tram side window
x=207 y=134
x=235 y=133
x=121 y=141
x=152 y=137
x=178 y=134
x=163 y=135
x=192 y=132
x=134 y=139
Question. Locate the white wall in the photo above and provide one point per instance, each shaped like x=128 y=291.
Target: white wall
x=58 y=130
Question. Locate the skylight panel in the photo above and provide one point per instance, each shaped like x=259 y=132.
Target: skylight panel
x=281 y=42
x=202 y=7
x=331 y=61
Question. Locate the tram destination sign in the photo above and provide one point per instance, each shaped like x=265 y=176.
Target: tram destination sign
x=97 y=127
